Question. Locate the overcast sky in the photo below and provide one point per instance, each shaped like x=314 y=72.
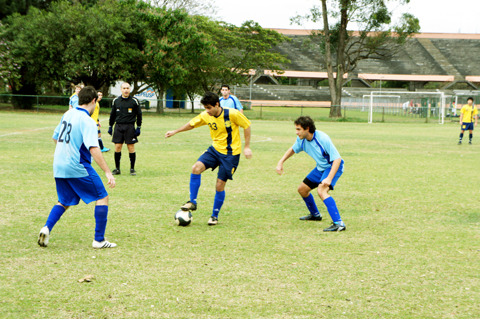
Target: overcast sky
x=440 y=16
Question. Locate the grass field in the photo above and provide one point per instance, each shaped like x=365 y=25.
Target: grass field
x=409 y=197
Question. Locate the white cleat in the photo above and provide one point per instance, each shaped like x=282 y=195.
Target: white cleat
x=44 y=236
x=103 y=244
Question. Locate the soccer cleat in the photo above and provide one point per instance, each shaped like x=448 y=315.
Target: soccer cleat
x=459 y=142
x=336 y=227
x=116 y=171
x=105 y=150
x=470 y=143
x=44 y=236
x=103 y=244
x=212 y=221
x=189 y=206
x=133 y=172
x=311 y=217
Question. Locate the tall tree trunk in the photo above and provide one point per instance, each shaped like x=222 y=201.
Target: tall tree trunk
x=160 y=99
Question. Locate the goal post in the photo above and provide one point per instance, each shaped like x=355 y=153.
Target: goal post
x=428 y=104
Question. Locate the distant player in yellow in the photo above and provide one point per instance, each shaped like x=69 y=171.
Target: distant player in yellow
x=95 y=115
x=224 y=153
x=468 y=114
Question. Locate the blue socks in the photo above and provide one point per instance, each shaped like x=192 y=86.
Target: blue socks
x=312 y=207
x=55 y=214
x=101 y=212
x=195 y=181
x=333 y=210
x=218 y=202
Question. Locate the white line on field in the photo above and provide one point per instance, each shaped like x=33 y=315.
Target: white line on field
x=37 y=129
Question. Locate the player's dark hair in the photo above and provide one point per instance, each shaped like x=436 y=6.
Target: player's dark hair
x=470 y=98
x=210 y=98
x=86 y=95
x=306 y=122
x=225 y=86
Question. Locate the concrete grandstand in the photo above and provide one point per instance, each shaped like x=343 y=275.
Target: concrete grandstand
x=448 y=59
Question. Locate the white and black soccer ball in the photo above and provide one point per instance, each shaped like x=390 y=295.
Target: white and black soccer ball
x=183 y=218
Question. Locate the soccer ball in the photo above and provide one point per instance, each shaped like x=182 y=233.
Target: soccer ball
x=183 y=218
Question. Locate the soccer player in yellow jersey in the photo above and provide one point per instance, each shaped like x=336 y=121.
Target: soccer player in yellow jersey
x=468 y=114
x=224 y=153
x=95 y=115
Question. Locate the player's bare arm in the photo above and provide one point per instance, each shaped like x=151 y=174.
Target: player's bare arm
x=98 y=157
x=461 y=119
x=286 y=156
x=246 y=149
x=335 y=166
x=186 y=127
x=55 y=141
x=476 y=120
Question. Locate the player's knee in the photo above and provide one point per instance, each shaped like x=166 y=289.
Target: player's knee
x=323 y=191
x=220 y=187
x=303 y=190
x=196 y=169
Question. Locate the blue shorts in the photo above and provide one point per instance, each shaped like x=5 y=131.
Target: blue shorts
x=467 y=127
x=315 y=177
x=89 y=189
x=228 y=163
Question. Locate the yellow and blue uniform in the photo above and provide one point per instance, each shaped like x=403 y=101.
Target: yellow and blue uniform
x=227 y=145
x=95 y=115
x=469 y=113
x=224 y=129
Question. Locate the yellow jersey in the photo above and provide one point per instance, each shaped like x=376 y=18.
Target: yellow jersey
x=468 y=113
x=96 y=112
x=224 y=129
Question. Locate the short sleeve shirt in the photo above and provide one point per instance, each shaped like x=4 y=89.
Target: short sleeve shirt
x=320 y=148
x=468 y=113
x=224 y=129
x=232 y=103
x=75 y=134
x=74 y=100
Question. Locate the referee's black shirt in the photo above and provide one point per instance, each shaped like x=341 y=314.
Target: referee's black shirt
x=125 y=111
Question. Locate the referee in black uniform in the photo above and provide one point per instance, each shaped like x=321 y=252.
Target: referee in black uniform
x=125 y=112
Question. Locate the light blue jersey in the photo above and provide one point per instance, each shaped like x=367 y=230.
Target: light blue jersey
x=232 y=103
x=75 y=134
x=74 y=101
x=320 y=148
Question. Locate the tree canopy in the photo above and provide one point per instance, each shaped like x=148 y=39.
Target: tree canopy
x=377 y=37
x=132 y=41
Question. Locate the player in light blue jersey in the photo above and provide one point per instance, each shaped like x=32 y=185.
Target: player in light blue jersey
x=229 y=101
x=325 y=175
x=76 y=143
x=73 y=103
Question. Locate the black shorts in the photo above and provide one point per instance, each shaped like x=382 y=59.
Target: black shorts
x=124 y=133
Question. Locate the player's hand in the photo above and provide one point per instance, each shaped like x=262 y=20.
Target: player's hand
x=279 y=169
x=248 y=152
x=327 y=181
x=111 y=179
x=110 y=130
x=137 y=131
x=170 y=134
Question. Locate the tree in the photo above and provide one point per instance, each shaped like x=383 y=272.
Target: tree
x=239 y=50
x=193 y=7
x=95 y=45
x=175 y=49
x=377 y=38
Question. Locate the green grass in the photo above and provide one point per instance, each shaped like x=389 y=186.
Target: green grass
x=409 y=197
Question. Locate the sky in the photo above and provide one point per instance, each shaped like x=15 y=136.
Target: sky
x=437 y=16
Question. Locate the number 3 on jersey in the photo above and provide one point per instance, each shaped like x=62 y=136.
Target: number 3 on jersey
x=213 y=126
x=65 y=125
